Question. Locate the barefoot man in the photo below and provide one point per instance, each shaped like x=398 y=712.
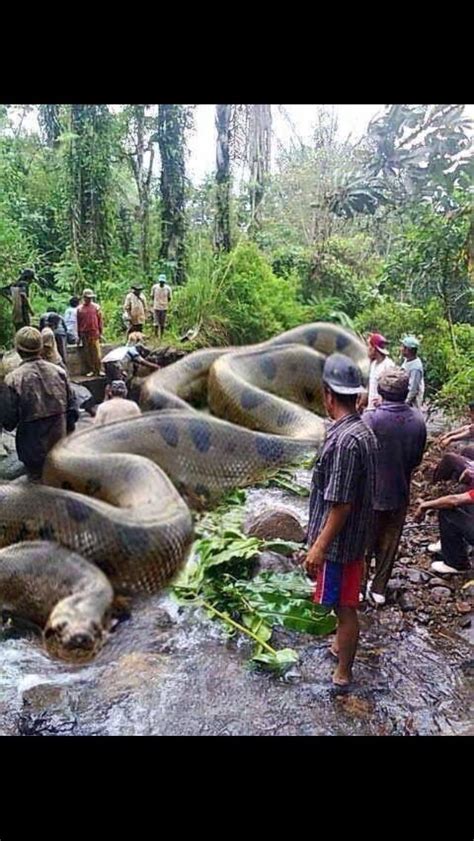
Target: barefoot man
x=340 y=509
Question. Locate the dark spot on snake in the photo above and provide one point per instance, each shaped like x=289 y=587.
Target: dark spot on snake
x=93 y=486
x=46 y=532
x=268 y=367
x=285 y=417
x=134 y=539
x=169 y=432
x=22 y=533
x=77 y=510
x=308 y=395
x=269 y=450
x=249 y=399
x=311 y=336
x=66 y=486
x=200 y=432
x=342 y=342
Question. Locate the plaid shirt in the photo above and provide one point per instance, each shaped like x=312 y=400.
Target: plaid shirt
x=345 y=473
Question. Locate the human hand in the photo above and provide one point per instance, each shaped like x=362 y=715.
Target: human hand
x=314 y=559
x=420 y=512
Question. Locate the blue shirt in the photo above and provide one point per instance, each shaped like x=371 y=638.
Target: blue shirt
x=401 y=435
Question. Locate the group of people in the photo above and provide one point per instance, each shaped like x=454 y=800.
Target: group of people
x=135 y=308
x=360 y=488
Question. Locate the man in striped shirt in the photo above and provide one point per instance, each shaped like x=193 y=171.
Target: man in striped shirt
x=340 y=509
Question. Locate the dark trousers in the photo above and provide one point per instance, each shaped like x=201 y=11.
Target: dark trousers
x=34 y=440
x=62 y=347
x=452 y=465
x=388 y=526
x=456 y=529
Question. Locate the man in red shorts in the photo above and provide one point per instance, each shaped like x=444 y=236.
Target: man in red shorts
x=340 y=508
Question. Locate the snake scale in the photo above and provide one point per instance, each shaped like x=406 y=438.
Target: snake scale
x=113 y=512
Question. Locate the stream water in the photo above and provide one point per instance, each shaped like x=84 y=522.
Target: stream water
x=168 y=670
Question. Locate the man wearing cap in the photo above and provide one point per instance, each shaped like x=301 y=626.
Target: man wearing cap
x=116 y=407
x=118 y=361
x=400 y=430
x=161 y=294
x=37 y=400
x=379 y=363
x=413 y=365
x=89 y=327
x=340 y=508
x=134 y=309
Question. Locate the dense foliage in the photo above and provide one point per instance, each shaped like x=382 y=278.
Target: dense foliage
x=377 y=234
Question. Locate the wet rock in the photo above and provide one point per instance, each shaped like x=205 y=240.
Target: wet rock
x=463 y=607
x=280 y=523
x=465 y=622
x=440 y=594
x=408 y=602
x=395 y=584
x=46 y=712
x=415 y=576
x=274 y=562
x=468 y=590
x=439 y=582
x=423 y=618
x=163 y=619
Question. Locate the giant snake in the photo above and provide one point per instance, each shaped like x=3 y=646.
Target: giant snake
x=112 y=513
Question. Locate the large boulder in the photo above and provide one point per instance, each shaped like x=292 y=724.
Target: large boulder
x=278 y=524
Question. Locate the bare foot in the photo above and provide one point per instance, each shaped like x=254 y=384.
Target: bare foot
x=341 y=678
x=334 y=651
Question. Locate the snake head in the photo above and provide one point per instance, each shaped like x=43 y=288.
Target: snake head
x=76 y=640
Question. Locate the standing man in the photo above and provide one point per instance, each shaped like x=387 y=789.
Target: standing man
x=379 y=363
x=161 y=294
x=401 y=435
x=134 y=309
x=37 y=399
x=70 y=320
x=413 y=365
x=340 y=508
x=89 y=327
x=22 y=309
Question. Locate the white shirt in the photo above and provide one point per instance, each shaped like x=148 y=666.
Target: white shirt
x=70 y=320
x=118 y=354
x=161 y=296
x=376 y=371
x=416 y=387
x=117 y=408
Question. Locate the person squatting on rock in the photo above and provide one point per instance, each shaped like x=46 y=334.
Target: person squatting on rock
x=400 y=430
x=116 y=406
x=36 y=399
x=135 y=309
x=89 y=327
x=413 y=365
x=341 y=508
x=456 y=528
x=117 y=362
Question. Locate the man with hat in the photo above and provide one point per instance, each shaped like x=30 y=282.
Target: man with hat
x=37 y=400
x=400 y=430
x=161 y=295
x=89 y=328
x=340 y=508
x=134 y=309
x=379 y=363
x=413 y=365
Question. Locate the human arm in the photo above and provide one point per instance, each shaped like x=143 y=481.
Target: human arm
x=450 y=501
x=413 y=385
x=141 y=361
x=100 y=321
x=9 y=407
x=336 y=519
x=457 y=435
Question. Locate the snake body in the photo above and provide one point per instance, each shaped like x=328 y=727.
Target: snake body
x=113 y=509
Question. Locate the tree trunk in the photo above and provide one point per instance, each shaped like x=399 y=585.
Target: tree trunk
x=260 y=135
x=50 y=123
x=142 y=173
x=172 y=123
x=222 y=231
x=89 y=184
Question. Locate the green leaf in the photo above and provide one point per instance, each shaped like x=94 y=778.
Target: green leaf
x=279 y=662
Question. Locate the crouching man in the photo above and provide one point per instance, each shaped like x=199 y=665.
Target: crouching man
x=340 y=508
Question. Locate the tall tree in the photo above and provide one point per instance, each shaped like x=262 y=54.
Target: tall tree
x=223 y=126
x=173 y=122
x=259 y=158
x=49 y=117
x=140 y=123
x=89 y=184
